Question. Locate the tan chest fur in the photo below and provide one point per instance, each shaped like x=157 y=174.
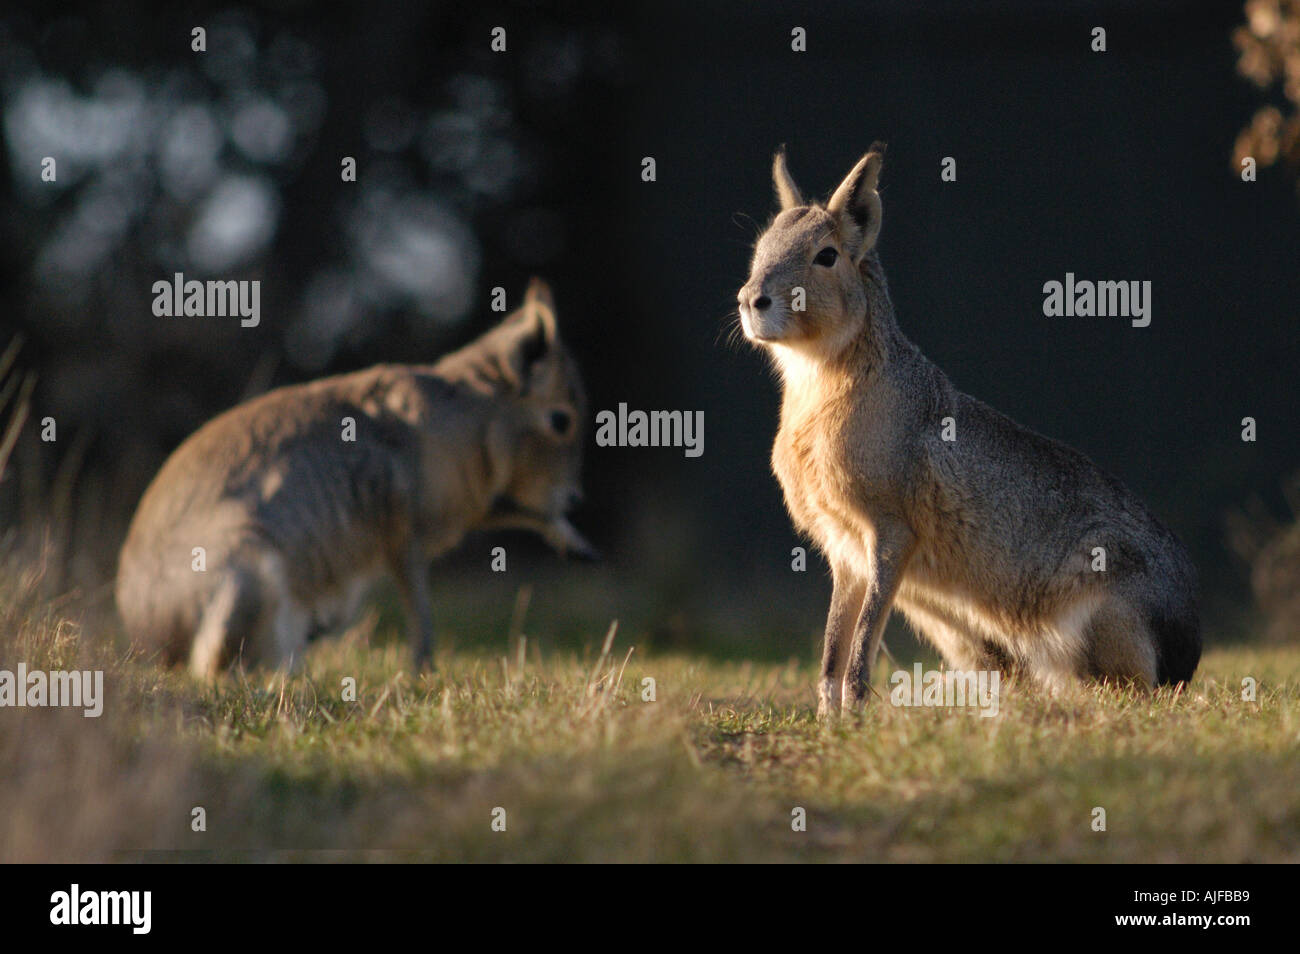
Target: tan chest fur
x=823 y=489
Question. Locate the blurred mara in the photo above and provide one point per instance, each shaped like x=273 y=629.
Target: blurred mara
x=269 y=523
x=1003 y=548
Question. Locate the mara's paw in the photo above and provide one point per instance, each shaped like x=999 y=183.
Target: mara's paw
x=828 y=701
x=855 y=700
x=827 y=712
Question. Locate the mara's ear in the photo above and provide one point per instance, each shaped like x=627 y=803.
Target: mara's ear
x=787 y=193
x=857 y=204
x=539 y=306
x=539 y=293
x=529 y=335
x=537 y=312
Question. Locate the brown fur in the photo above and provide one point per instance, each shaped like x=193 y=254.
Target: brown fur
x=295 y=521
x=985 y=542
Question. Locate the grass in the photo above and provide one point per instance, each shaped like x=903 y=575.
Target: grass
x=587 y=770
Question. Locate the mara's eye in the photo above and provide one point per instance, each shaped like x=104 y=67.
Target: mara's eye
x=826 y=257
x=561 y=422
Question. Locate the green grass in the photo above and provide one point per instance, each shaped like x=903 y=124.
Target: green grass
x=588 y=771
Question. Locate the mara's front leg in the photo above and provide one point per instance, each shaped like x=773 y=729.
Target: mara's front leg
x=411 y=570
x=846 y=605
x=887 y=558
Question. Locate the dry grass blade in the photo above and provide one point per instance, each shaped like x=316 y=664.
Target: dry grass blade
x=16 y=421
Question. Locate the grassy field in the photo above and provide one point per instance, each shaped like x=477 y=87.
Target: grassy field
x=587 y=770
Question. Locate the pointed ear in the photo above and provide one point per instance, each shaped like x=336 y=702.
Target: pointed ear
x=787 y=193
x=857 y=204
x=529 y=335
x=539 y=306
x=539 y=293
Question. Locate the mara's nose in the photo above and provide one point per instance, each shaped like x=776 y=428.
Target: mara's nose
x=574 y=500
x=759 y=302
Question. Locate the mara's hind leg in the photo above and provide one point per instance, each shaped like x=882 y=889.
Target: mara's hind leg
x=1177 y=634
x=961 y=648
x=1053 y=651
x=291 y=622
x=292 y=625
x=1121 y=647
x=230 y=622
x=251 y=618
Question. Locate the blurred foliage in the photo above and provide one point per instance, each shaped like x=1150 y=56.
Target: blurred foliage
x=15 y=400
x=1269 y=48
x=1271 y=549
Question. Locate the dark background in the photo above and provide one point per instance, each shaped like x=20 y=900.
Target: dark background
x=478 y=169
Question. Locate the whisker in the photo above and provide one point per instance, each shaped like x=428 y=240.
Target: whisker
x=734 y=332
x=736 y=219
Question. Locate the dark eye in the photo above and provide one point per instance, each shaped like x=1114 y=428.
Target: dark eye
x=826 y=257
x=561 y=421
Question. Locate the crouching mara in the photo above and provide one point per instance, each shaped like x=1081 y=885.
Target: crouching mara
x=272 y=520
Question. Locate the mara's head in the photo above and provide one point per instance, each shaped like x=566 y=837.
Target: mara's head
x=537 y=420
x=805 y=287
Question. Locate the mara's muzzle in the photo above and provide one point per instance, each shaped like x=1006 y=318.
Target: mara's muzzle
x=555 y=529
